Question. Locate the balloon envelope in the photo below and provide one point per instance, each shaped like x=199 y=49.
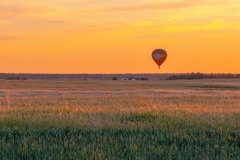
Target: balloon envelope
x=159 y=56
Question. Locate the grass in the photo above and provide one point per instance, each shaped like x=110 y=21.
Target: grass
x=118 y=144
x=222 y=87
x=119 y=120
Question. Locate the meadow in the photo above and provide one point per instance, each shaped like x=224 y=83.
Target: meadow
x=87 y=119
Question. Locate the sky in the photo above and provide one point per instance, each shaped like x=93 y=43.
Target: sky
x=118 y=36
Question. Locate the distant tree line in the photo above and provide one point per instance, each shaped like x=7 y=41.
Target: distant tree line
x=198 y=75
x=125 y=76
x=41 y=76
x=132 y=78
x=16 y=78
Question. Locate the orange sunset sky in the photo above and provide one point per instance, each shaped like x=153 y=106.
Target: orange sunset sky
x=118 y=36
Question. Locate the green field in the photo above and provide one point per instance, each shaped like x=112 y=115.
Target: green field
x=197 y=119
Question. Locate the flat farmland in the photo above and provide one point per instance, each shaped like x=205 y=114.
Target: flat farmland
x=86 y=119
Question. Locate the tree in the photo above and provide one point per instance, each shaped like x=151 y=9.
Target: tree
x=114 y=78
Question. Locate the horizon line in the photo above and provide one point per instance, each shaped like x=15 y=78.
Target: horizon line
x=126 y=73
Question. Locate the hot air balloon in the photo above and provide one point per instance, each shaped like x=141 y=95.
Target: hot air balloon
x=159 y=56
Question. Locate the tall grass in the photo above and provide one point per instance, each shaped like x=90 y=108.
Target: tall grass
x=152 y=122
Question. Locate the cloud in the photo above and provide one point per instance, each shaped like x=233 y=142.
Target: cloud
x=7 y=12
x=31 y=17
x=6 y=37
x=158 y=6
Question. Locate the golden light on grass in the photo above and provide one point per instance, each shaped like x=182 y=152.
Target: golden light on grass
x=108 y=108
